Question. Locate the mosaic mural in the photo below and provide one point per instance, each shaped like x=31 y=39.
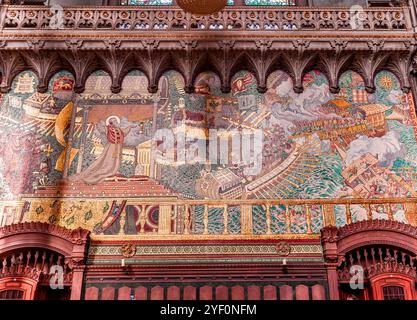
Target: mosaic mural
x=116 y=147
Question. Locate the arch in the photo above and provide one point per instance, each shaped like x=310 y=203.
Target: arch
x=247 y=78
x=91 y=86
x=72 y=244
x=127 y=79
x=11 y=64
x=297 y=65
x=277 y=73
x=15 y=79
x=173 y=293
x=332 y=65
x=81 y=66
x=270 y=292
x=254 y=292
x=368 y=65
x=386 y=80
x=204 y=68
x=401 y=65
x=157 y=293
x=206 y=293
x=355 y=77
x=190 y=293
x=277 y=79
x=61 y=87
x=363 y=233
x=141 y=293
x=286 y=292
x=302 y=292
x=124 y=293
x=91 y=293
x=170 y=73
x=243 y=62
x=222 y=293
x=318 y=292
x=164 y=69
x=26 y=285
x=108 y=293
x=173 y=81
x=190 y=64
x=61 y=73
x=117 y=65
x=352 y=87
x=43 y=235
x=338 y=242
x=313 y=76
x=379 y=282
x=238 y=293
x=207 y=79
x=135 y=69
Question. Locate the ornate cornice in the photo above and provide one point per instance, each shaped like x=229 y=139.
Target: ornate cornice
x=154 y=40
x=190 y=61
x=78 y=236
x=252 y=19
x=332 y=234
x=377 y=225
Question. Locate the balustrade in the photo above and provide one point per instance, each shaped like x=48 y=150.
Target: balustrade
x=36 y=264
x=231 y=19
x=377 y=259
x=266 y=218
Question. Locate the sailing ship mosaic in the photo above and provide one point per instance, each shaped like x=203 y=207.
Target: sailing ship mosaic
x=315 y=145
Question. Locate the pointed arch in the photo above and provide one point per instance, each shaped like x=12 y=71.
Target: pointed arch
x=97 y=85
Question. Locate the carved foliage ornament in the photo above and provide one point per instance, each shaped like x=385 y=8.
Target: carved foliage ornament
x=283 y=249
x=128 y=250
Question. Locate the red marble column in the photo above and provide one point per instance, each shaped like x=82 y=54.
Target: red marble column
x=329 y=241
x=77 y=282
x=79 y=239
x=332 y=280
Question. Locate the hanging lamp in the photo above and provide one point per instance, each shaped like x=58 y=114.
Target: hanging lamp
x=202 y=7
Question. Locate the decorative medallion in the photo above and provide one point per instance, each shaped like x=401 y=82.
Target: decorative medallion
x=128 y=250
x=283 y=249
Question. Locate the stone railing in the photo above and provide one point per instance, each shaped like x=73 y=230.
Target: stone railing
x=231 y=19
x=196 y=219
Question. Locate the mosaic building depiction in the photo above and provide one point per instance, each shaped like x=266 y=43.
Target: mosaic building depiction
x=257 y=164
